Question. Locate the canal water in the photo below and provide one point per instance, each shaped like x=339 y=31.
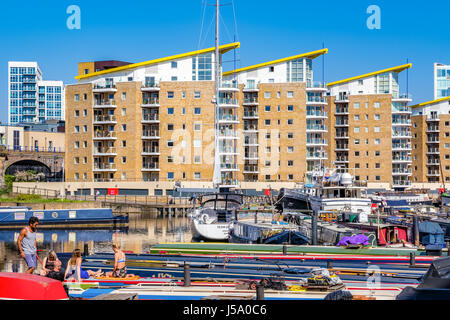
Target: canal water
x=144 y=231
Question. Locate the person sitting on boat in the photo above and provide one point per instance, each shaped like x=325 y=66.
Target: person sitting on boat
x=120 y=268
x=27 y=244
x=51 y=267
x=74 y=271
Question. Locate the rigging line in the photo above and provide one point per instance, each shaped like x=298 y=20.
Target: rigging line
x=209 y=29
x=235 y=21
x=201 y=27
x=226 y=28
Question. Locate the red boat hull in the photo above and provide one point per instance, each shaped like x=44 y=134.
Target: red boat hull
x=21 y=286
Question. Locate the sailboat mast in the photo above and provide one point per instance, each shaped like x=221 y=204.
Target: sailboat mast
x=216 y=174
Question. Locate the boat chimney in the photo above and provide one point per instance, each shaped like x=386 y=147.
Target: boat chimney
x=314 y=228
x=187 y=275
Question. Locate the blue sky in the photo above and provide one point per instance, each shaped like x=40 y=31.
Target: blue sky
x=267 y=30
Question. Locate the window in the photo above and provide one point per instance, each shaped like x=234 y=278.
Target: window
x=197 y=110
x=85 y=160
x=377 y=178
x=170 y=95
x=290 y=135
x=377 y=105
x=267 y=122
x=84 y=96
x=170 y=159
x=124 y=111
x=174 y=64
x=290 y=163
x=183 y=111
x=124 y=159
x=377 y=165
x=278 y=94
x=84 y=144
x=267 y=135
x=86 y=71
x=290 y=149
x=174 y=78
x=77 y=176
x=197 y=159
x=377 y=153
x=377 y=141
x=76 y=160
x=356 y=129
x=77 y=144
x=170 y=175
x=124 y=95
x=197 y=94
x=356 y=117
x=271 y=69
x=377 y=117
x=376 y=129
x=290 y=108
x=356 y=141
x=77 y=97
x=290 y=94
x=170 y=127
x=356 y=153
x=268 y=149
x=198 y=143
x=290 y=177
x=197 y=175
x=267 y=163
x=266 y=95
x=124 y=143
x=170 y=110
x=170 y=143
x=84 y=112
x=197 y=126
x=356 y=165
x=356 y=105
x=360 y=82
x=77 y=113
x=183 y=94
x=77 y=128
x=290 y=121
x=124 y=127
x=267 y=108
x=267 y=176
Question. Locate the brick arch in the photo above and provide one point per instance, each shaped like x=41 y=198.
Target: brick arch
x=28 y=164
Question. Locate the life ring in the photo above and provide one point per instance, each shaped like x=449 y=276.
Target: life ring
x=205 y=218
x=55 y=214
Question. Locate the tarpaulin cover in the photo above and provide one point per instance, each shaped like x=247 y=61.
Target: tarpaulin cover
x=396 y=203
x=431 y=233
x=357 y=239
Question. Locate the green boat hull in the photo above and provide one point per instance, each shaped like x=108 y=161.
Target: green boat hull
x=235 y=248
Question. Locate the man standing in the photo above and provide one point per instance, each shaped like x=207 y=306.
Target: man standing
x=27 y=244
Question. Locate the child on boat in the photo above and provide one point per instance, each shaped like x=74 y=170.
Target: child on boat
x=74 y=271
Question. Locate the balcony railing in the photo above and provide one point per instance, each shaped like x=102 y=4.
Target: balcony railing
x=105 y=118
x=251 y=155
x=401 y=171
x=433 y=150
x=318 y=127
x=319 y=114
x=228 y=85
x=227 y=133
x=250 y=114
x=341 y=159
x=401 y=146
x=104 y=166
x=432 y=118
x=250 y=128
x=342 y=123
x=401 y=109
x=227 y=150
x=401 y=183
x=104 y=134
x=104 y=150
x=433 y=162
x=316 y=155
x=105 y=86
x=316 y=141
x=110 y=102
x=401 y=133
x=401 y=159
x=229 y=166
x=150 y=149
x=251 y=169
x=251 y=100
x=316 y=84
x=150 y=117
x=317 y=99
x=227 y=101
x=150 y=85
x=341 y=147
x=433 y=129
x=150 y=133
x=401 y=122
x=152 y=101
x=250 y=141
x=150 y=166
x=228 y=117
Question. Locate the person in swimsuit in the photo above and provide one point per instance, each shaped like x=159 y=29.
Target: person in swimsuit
x=74 y=270
x=120 y=268
x=52 y=267
x=27 y=244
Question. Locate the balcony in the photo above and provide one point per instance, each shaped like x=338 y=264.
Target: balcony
x=401 y=110
x=250 y=102
x=316 y=115
x=150 y=151
x=228 y=103
x=401 y=172
x=228 y=151
x=229 y=183
x=105 y=167
x=228 y=86
x=253 y=128
x=250 y=115
x=228 y=134
x=341 y=136
x=341 y=123
x=104 y=119
x=150 y=87
x=104 y=151
x=434 y=162
x=432 y=118
x=316 y=128
x=401 y=184
x=342 y=98
x=104 y=135
x=401 y=134
x=229 y=167
x=433 y=151
x=251 y=156
x=401 y=159
x=150 y=167
x=150 y=134
x=316 y=156
x=107 y=87
x=341 y=160
x=401 y=122
x=250 y=87
x=150 y=102
x=316 y=142
x=228 y=119
x=316 y=86
x=433 y=173
x=431 y=129
x=341 y=112
x=251 y=142
x=401 y=146
x=404 y=97
x=433 y=140
x=150 y=118
x=341 y=147
x=250 y=169
x=316 y=101
x=105 y=104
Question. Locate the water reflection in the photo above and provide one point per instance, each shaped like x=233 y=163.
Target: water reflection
x=143 y=232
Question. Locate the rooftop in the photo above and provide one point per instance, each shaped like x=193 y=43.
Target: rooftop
x=430 y=102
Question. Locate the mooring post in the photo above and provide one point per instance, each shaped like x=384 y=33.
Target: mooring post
x=187 y=275
x=260 y=292
x=412 y=259
x=314 y=228
x=284 y=249
x=86 y=250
